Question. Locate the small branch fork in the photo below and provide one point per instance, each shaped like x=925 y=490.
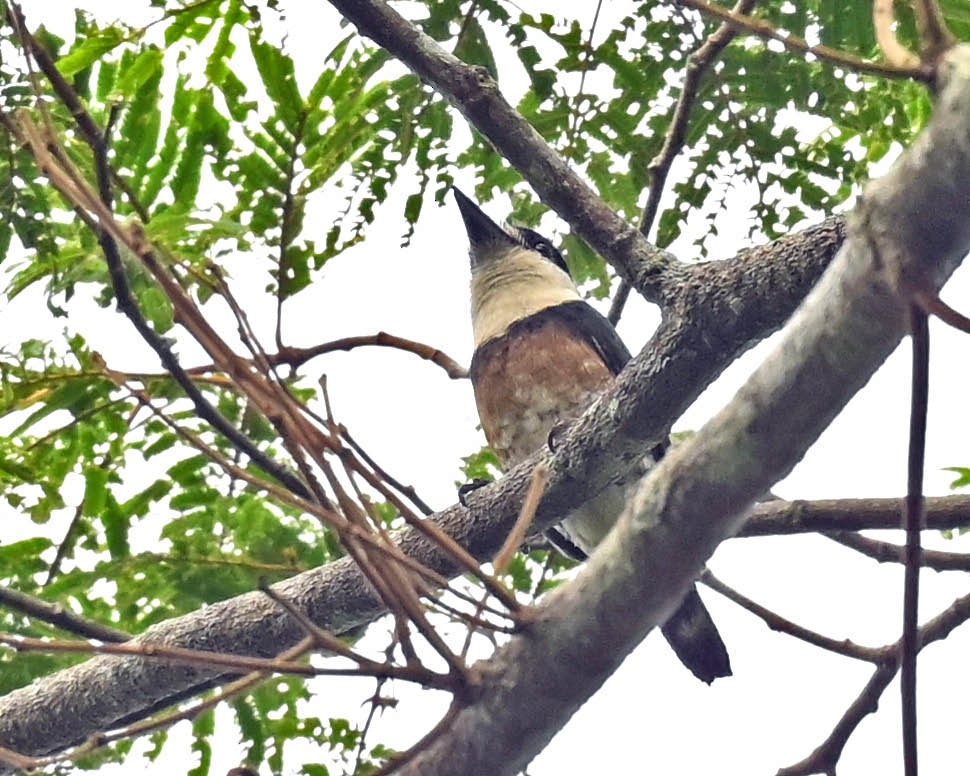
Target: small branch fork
x=696 y=67
x=399 y=581
x=886 y=660
x=892 y=68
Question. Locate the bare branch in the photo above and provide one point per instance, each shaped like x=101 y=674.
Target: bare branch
x=59 y=616
x=298 y=356
x=696 y=67
x=919 y=401
x=540 y=476
x=886 y=552
x=778 y=623
x=884 y=20
x=782 y=518
x=825 y=757
x=473 y=91
x=219 y=660
x=906 y=68
x=827 y=754
x=935 y=36
x=933 y=305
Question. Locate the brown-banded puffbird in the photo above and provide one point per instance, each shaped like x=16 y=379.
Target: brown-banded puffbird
x=542 y=355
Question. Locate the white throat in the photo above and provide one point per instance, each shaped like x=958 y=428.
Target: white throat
x=508 y=288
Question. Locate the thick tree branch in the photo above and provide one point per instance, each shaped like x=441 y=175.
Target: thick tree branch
x=659 y=384
x=781 y=518
x=473 y=91
x=911 y=230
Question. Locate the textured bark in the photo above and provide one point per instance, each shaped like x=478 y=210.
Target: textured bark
x=909 y=233
x=658 y=384
x=712 y=313
x=693 y=348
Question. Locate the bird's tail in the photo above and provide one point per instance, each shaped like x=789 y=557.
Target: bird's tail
x=691 y=633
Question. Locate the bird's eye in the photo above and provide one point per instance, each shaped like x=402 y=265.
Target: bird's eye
x=544 y=249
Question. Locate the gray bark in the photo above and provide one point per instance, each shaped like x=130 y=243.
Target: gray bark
x=908 y=233
x=713 y=313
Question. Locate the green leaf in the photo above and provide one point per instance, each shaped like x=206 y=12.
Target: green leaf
x=473 y=47
x=116 y=529
x=963 y=477
x=90 y=50
x=157 y=308
x=146 y=65
x=95 y=490
x=279 y=80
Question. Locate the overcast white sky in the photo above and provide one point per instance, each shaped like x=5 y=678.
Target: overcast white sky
x=652 y=716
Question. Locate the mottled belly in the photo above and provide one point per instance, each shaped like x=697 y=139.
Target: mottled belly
x=526 y=385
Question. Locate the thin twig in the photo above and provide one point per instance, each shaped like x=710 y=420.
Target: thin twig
x=799 y=45
x=298 y=356
x=16 y=760
x=694 y=70
x=537 y=484
x=933 y=305
x=218 y=660
x=887 y=552
x=935 y=36
x=322 y=638
x=408 y=491
x=574 y=119
x=914 y=522
x=59 y=616
x=778 y=623
x=191 y=711
x=376 y=701
x=884 y=21
x=826 y=756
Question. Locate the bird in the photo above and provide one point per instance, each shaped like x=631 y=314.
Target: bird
x=542 y=355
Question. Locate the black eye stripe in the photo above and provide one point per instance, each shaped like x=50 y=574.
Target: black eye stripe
x=532 y=239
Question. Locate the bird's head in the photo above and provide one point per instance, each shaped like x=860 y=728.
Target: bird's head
x=516 y=272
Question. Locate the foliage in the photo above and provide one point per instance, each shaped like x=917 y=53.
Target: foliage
x=227 y=152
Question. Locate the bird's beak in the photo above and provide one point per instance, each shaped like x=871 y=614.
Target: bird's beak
x=485 y=237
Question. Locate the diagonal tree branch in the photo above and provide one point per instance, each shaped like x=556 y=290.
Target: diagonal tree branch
x=630 y=418
x=473 y=91
x=826 y=755
x=910 y=232
x=885 y=552
x=904 y=68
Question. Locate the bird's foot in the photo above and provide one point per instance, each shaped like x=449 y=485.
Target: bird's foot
x=468 y=487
